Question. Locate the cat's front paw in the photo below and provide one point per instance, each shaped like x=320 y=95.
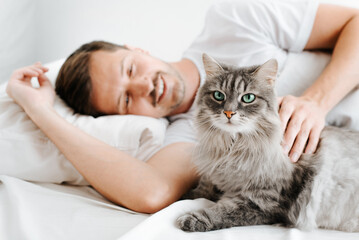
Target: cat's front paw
x=194 y=222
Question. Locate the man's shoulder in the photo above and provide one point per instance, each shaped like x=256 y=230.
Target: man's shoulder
x=189 y=115
x=181 y=128
x=250 y=7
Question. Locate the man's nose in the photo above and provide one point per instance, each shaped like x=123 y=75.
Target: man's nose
x=142 y=86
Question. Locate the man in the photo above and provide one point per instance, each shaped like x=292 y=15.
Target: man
x=129 y=80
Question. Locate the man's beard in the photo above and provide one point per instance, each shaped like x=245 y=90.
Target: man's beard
x=179 y=89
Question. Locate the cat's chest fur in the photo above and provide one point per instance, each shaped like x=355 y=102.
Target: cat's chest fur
x=233 y=166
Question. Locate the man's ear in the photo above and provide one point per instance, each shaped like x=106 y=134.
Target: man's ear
x=137 y=49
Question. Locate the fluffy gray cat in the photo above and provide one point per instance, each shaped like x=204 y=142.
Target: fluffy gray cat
x=245 y=170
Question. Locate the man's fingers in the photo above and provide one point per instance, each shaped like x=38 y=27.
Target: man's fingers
x=300 y=142
x=29 y=73
x=302 y=122
x=36 y=69
x=279 y=99
x=313 y=141
x=44 y=69
x=293 y=128
x=43 y=80
x=39 y=68
x=285 y=112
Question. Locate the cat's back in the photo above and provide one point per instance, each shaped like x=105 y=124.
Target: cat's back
x=335 y=192
x=337 y=152
x=340 y=140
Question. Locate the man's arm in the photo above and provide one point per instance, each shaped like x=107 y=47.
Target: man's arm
x=335 y=28
x=141 y=186
x=121 y=178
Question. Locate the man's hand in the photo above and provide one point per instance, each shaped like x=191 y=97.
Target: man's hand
x=302 y=122
x=21 y=90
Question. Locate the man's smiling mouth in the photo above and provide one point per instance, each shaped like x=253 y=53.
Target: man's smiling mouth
x=161 y=88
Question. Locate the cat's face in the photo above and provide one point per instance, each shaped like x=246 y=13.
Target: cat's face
x=236 y=100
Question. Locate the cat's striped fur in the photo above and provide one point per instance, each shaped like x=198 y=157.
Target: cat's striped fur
x=244 y=169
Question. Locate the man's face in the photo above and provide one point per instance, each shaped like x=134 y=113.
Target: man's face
x=133 y=82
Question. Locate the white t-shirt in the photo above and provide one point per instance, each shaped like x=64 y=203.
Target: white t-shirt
x=245 y=33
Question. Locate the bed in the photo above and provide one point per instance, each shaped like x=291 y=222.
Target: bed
x=42 y=196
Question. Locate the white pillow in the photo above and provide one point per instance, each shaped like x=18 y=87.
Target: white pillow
x=26 y=153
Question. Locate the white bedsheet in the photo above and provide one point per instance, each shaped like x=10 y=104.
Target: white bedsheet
x=161 y=226
x=45 y=211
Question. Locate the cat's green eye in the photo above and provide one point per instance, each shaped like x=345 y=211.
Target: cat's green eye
x=218 y=95
x=248 y=98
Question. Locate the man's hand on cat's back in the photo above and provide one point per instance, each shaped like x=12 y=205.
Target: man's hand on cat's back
x=302 y=122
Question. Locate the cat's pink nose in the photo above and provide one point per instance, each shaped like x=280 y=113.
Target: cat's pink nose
x=229 y=114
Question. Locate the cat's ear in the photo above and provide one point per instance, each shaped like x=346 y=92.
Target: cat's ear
x=210 y=65
x=268 y=71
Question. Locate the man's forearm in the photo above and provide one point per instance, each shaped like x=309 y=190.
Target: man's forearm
x=115 y=174
x=342 y=73
x=303 y=118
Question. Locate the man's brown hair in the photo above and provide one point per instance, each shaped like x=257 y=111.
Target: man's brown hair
x=73 y=83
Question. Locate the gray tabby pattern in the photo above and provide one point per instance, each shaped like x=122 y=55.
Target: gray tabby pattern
x=244 y=169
